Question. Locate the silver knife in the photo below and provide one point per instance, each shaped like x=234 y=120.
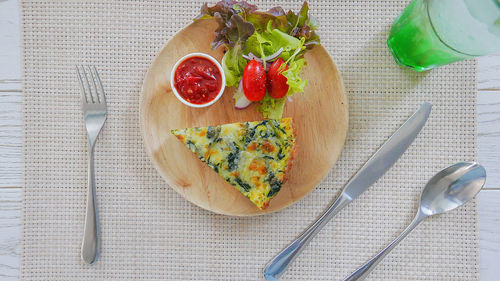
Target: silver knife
x=371 y=171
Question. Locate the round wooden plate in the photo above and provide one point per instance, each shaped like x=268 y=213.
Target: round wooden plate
x=319 y=117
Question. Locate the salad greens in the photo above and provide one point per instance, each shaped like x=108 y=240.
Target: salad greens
x=230 y=15
x=295 y=83
x=261 y=34
x=269 y=41
x=233 y=64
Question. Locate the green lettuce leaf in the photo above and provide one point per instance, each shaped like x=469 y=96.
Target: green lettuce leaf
x=270 y=41
x=233 y=64
x=292 y=74
x=272 y=108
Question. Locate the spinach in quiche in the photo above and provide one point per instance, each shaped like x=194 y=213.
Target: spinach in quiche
x=252 y=156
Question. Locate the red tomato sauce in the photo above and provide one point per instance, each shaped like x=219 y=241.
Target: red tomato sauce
x=197 y=80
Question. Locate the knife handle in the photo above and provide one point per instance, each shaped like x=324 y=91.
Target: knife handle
x=277 y=266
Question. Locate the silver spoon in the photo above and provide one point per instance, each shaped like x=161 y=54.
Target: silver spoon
x=447 y=190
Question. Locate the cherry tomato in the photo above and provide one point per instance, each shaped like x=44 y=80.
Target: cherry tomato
x=254 y=81
x=276 y=82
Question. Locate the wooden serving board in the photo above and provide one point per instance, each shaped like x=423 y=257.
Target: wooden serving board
x=320 y=118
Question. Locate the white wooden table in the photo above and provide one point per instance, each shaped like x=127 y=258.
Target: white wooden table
x=11 y=171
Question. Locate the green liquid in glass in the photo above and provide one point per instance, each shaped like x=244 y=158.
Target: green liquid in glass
x=414 y=43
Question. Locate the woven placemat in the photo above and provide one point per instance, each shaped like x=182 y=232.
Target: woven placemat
x=151 y=233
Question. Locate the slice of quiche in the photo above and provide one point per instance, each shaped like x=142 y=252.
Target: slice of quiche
x=252 y=156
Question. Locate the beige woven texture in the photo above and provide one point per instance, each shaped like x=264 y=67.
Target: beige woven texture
x=151 y=233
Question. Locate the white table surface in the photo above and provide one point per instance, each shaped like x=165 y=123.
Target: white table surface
x=11 y=171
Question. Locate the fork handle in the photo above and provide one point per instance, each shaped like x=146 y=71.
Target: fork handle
x=90 y=234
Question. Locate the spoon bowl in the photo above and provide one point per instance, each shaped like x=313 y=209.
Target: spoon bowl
x=452 y=187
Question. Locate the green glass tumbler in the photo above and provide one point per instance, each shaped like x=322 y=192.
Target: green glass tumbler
x=432 y=33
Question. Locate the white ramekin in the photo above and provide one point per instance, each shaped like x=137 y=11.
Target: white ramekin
x=214 y=61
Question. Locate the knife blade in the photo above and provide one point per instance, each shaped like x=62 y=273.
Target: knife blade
x=388 y=153
x=380 y=162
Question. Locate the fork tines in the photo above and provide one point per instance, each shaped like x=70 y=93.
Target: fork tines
x=89 y=80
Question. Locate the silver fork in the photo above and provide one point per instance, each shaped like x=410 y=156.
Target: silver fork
x=94 y=114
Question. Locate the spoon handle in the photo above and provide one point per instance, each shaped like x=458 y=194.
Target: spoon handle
x=362 y=272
